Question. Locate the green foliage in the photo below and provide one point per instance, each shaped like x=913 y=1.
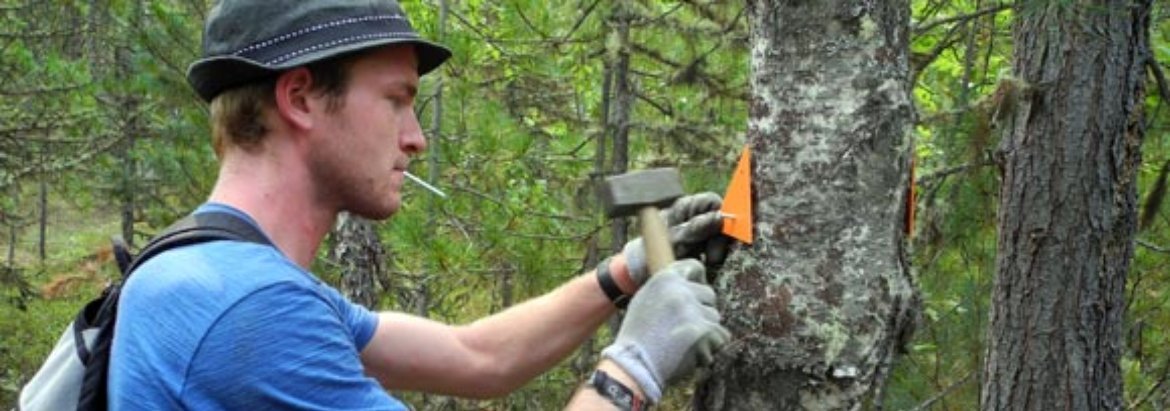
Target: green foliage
x=522 y=108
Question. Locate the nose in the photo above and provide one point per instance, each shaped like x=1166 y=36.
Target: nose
x=411 y=139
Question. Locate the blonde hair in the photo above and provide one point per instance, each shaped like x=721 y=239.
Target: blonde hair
x=237 y=116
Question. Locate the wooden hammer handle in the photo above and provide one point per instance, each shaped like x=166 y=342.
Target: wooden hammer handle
x=655 y=238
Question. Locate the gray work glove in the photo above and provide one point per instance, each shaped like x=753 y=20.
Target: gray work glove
x=696 y=231
x=670 y=327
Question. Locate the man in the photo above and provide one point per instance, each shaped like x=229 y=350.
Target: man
x=312 y=112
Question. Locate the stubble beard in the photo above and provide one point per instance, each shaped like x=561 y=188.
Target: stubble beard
x=344 y=188
x=372 y=203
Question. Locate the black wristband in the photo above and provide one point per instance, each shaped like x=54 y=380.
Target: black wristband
x=617 y=393
x=610 y=287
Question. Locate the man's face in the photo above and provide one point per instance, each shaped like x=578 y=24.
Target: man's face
x=358 y=165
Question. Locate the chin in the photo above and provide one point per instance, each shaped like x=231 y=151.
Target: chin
x=378 y=212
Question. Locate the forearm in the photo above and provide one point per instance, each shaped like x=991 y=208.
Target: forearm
x=493 y=356
x=532 y=337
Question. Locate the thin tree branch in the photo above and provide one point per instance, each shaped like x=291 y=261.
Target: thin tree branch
x=1153 y=247
x=665 y=110
x=946 y=391
x=925 y=179
x=580 y=21
x=527 y=22
x=503 y=204
x=42 y=90
x=1154 y=389
x=1159 y=77
x=77 y=160
x=920 y=61
x=960 y=19
x=491 y=41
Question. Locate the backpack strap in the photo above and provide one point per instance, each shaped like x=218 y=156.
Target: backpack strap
x=195 y=229
x=99 y=315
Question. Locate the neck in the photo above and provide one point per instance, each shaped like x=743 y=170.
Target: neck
x=275 y=190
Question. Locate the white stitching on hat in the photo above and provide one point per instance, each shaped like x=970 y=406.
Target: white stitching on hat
x=337 y=42
x=307 y=30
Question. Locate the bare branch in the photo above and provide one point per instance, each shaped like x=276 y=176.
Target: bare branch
x=1154 y=389
x=580 y=20
x=527 y=22
x=72 y=162
x=946 y=391
x=920 y=61
x=1153 y=247
x=42 y=90
x=665 y=110
x=1159 y=77
x=925 y=179
x=491 y=41
x=960 y=19
x=504 y=205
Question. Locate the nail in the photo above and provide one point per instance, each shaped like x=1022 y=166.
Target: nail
x=424 y=184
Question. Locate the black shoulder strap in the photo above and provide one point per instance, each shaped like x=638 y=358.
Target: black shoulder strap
x=101 y=313
x=195 y=229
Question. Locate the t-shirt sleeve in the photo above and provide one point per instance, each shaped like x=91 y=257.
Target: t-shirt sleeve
x=361 y=321
x=285 y=346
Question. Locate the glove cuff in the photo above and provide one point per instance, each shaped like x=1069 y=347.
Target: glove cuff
x=633 y=360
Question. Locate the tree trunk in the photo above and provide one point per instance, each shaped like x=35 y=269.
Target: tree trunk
x=1072 y=145
x=619 y=123
x=623 y=105
x=821 y=302
x=43 y=206
x=358 y=250
x=131 y=125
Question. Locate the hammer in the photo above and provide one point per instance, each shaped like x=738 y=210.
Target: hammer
x=644 y=192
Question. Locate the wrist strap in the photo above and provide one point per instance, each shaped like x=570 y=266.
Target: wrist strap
x=610 y=287
x=617 y=393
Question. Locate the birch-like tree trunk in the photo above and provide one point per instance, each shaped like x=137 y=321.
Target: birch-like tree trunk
x=357 y=248
x=821 y=302
x=1071 y=147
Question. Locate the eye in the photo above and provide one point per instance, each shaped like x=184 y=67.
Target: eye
x=398 y=100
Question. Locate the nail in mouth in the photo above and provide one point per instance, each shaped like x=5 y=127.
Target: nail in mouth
x=424 y=184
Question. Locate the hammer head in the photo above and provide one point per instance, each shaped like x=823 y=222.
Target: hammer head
x=622 y=195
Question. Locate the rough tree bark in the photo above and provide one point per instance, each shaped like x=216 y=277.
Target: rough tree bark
x=357 y=248
x=620 y=111
x=622 y=108
x=1071 y=147
x=823 y=300
x=130 y=124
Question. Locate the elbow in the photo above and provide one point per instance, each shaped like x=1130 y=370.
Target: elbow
x=491 y=379
x=489 y=371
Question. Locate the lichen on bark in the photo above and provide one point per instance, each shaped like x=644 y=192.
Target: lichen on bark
x=819 y=303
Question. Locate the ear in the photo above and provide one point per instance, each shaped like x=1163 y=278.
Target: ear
x=294 y=98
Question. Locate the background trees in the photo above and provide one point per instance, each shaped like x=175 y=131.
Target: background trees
x=542 y=98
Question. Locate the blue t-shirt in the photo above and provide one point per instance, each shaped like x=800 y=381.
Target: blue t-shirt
x=237 y=326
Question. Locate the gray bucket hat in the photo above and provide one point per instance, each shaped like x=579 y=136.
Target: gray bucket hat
x=248 y=40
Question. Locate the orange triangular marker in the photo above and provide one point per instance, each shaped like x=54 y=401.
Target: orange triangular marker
x=737 y=203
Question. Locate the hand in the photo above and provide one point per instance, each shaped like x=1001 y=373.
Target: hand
x=695 y=232
x=670 y=327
